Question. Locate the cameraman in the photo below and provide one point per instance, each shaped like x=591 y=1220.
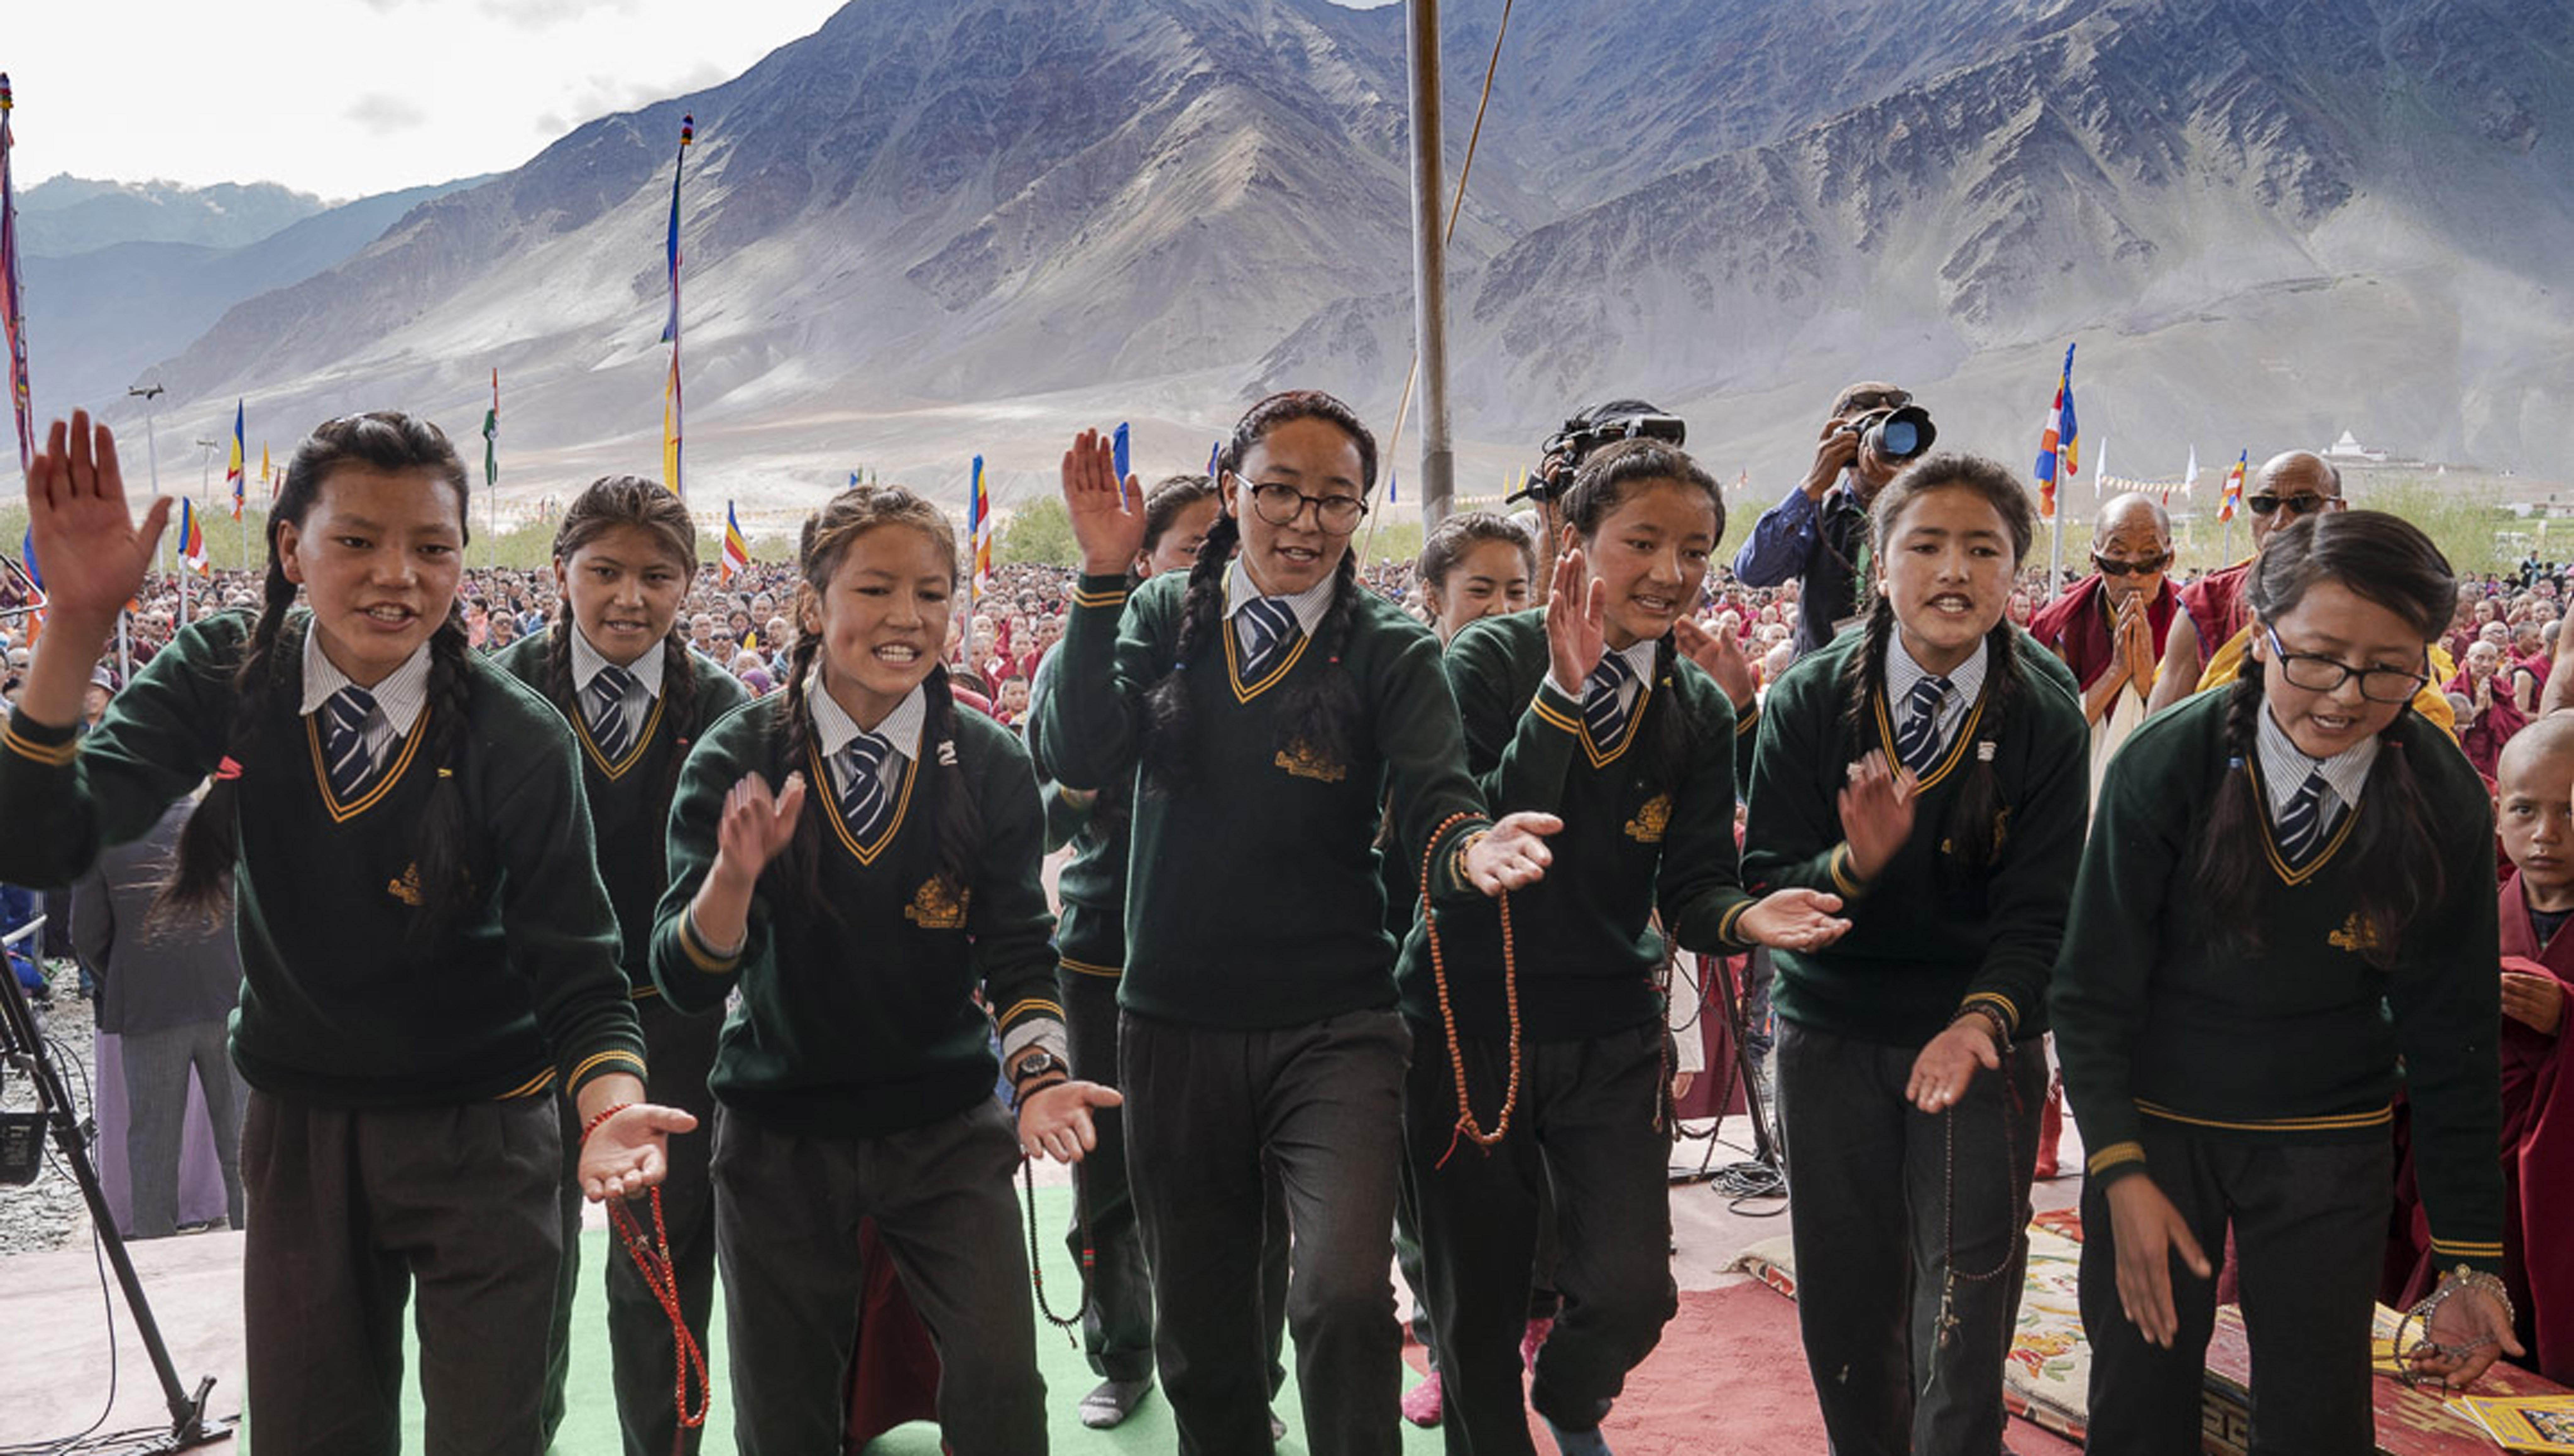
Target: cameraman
x=1820 y=531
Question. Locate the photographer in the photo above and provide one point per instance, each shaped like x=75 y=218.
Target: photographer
x=1818 y=534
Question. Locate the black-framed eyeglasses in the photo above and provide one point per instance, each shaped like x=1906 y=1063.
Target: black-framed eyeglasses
x=1280 y=504
x=2297 y=505
x=2112 y=567
x=2315 y=673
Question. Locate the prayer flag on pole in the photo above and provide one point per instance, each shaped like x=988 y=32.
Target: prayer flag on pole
x=736 y=548
x=233 y=474
x=2056 y=458
x=13 y=322
x=671 y=414
x=2233 y=484
x=978 y=533
x=192 y=539
x=492 y=436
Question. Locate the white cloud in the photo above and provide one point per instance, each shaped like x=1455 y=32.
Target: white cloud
x=596 y=96
x=546 y=14
x=382 y=113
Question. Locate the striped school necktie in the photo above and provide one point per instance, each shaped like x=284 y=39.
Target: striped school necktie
x=1272 y=628
x=1604 y=708
x=345 y=716
x=607 y=711
x=862 y=796
x=2301 y=824
x=1917 y=742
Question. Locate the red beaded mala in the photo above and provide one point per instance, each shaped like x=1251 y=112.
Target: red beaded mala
x=1466 y=1126
x=652 y=1260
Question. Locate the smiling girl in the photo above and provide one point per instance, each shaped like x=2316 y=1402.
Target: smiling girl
x=425 y=945
x=1931 y=770
x=1278 y=710
x=619 y=671
x=2290 y=887
x=859 y=927
x=1584 y=711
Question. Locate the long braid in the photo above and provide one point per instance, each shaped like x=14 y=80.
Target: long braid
x=952 y=811
x=799 y=865
x=559 y=684
x=200 y=882
x=1666 y=732
x=680 y=715
x=444 y=851
x=1975 y=835
x=1865 y=676
x=2228 y=869
x=1170 y=750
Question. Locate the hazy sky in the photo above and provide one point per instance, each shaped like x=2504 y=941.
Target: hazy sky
x=349 y=97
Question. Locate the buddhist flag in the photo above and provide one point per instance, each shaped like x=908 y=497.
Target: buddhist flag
x=978 y=532
x=671 y=414
x=13 y=322
x=2234 y=487
x=192 y=539
x=2056 y=454
x=736 y=548
x=492 y=436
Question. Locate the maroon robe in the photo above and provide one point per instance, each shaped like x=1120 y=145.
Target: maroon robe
x=2217 y=610
x=2494 y=726
x=2076 y=624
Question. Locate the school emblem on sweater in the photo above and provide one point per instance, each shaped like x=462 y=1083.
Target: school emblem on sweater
x=1305 y=761
x=2356 y=935
x=1650 y=820
x=406 y=889
x=935 y=908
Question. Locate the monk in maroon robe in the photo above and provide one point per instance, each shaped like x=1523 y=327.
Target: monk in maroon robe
x=2286 y=489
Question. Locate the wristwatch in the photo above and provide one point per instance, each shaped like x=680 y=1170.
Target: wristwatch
x=1036 y=1062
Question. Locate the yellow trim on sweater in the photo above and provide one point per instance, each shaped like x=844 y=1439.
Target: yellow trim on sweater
x=1242 y=692
x=633 y=752
x=832 y=812
x=1034 y=1006
x=2115 y=1154
x=699 y=952
x=57 y=755
x=2329 y=1123
x=340 y=813
x=613 y=1053
x=1083 y=968
x=528 y=1088
x=2000 y=1002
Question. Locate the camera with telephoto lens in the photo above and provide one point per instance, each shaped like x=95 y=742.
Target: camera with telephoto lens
x=1899 y=432
x=1599 y=425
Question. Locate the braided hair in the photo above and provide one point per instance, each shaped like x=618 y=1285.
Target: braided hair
x=1975 y=828
x=609 y=503
x=1448 y=546
x=940 y=788
x=1605 y=481
x=201 y=878
x=1322 y=710
x=2381 y=559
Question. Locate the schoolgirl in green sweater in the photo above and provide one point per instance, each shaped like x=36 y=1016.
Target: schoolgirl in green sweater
x=1932 y=770
x=399 y=833
x=1279 y=711
x=2286 y=907
x=619 y=671
x=861 y=909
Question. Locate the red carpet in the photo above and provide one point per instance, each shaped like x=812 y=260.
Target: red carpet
x=1729 y=1380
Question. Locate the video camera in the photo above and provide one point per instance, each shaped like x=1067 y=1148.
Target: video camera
x=1589 y=430
x=1895 y=432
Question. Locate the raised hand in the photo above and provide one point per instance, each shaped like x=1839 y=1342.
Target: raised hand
x=1793 y=919
x=92 y=553
x=1054 y=1120
x=1577 y=610
x=1513 y=855
x=1721 y=653
x=1877 y=813
x=756 y=825
x=1107 y=513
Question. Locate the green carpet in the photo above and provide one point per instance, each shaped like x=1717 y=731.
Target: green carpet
x=590 y=1427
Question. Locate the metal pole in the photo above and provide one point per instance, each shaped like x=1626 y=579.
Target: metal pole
x=151 y=435
x=1430 y=268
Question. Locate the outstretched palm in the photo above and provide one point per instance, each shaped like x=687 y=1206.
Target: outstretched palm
x=92 y=554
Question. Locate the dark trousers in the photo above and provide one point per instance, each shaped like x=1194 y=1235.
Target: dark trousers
x=1911 y=1238
x=356 y=1210
x=1117 y=1328
x=1321 y=1103
x=787 y=1240
x=1542 y=1301
x=1585 y=1123
x=156 y=1100
x=2309 y=1237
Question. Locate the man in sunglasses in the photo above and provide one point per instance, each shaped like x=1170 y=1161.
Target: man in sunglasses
x=1818 y=534
x=2109 y=627
x=2289 y=487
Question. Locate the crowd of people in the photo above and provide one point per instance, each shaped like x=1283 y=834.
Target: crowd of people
x=730 y=891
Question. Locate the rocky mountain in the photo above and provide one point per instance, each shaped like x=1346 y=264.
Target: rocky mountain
x=63 y=215
x=935 y=225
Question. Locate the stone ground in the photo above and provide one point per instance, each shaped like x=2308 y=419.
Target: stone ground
x=49 y=1213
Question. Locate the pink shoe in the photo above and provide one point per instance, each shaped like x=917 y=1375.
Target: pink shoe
x=1538 y=1329
x=1423 y=1403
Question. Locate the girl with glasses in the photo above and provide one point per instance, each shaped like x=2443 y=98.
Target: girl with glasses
x=2288 y=888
